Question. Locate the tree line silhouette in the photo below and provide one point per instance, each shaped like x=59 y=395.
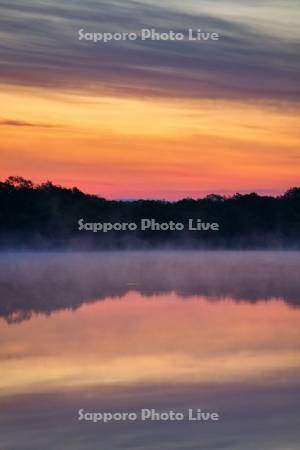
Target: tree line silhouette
x=47 y=215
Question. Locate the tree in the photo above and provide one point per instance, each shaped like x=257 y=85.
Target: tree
x=17 y=182
x=293 y=193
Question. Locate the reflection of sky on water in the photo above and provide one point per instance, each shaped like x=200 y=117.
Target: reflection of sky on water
x=46 y=282
x=145 y=340
x=237 y=357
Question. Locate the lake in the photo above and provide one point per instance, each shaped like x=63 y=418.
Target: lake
x=122 y=332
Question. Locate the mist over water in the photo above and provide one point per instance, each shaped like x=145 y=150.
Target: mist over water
x=121 y=331
x=45 y=282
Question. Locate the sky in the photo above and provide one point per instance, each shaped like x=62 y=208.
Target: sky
x=151 y=119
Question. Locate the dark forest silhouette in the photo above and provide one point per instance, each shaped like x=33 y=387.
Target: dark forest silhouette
x=46 y=216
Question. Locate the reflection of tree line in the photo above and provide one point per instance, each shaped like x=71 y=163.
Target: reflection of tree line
x=44 y=283
x=47 y=215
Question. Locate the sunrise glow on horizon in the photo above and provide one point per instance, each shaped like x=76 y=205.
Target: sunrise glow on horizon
x=151 y=119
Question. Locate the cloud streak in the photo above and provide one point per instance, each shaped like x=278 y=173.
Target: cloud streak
x=40 y=47
x=22 y=123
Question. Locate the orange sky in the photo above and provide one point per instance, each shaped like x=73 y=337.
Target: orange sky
x=160 y=148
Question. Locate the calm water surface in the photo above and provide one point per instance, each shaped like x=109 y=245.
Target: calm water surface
x=166 y=330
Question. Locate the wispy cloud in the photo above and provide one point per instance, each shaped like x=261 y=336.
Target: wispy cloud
x=40 y=47
x=22 y=123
